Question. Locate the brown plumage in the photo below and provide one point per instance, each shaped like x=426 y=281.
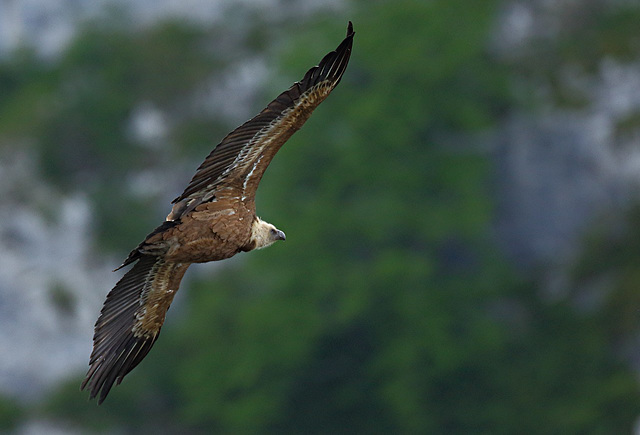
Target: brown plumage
x=213 y=219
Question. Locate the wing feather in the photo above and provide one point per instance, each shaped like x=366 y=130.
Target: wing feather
x=247 y=151
x=130 y=321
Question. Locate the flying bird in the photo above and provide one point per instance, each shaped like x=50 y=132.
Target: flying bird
x=213 y=219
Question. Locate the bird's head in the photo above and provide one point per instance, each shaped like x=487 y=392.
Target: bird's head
x=264 y=234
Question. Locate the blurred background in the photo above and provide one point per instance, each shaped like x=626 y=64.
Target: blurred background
x=462 y=215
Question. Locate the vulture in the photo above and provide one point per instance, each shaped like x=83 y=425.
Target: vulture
x=213 y=219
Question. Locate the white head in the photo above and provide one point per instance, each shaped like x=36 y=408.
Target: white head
x=264 y=234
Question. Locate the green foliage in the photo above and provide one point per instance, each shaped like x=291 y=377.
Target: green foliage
x=23 y=81
x=610 y=257
x=603 y=32
x=584 y=390
x=10 y=414
x=143 y=405
x=388 y=309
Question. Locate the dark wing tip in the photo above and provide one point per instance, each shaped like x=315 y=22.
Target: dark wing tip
x=110 y=369
x=332 y=66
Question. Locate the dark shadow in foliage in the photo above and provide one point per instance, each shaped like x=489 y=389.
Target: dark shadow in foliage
x=333 y=393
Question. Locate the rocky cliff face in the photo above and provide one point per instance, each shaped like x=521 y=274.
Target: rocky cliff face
x=555 y=174
x=50 y=279
x=561 y=167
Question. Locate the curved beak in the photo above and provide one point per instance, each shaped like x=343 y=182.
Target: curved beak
x=280 y=235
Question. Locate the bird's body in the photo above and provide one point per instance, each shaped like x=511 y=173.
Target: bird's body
x=213 y=219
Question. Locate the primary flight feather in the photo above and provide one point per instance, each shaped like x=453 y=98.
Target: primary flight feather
x=213 y=219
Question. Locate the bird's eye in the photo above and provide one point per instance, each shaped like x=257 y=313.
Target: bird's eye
x=273 y=231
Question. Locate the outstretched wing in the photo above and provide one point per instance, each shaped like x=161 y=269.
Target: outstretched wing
x=130 y=321
x=237 y=164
